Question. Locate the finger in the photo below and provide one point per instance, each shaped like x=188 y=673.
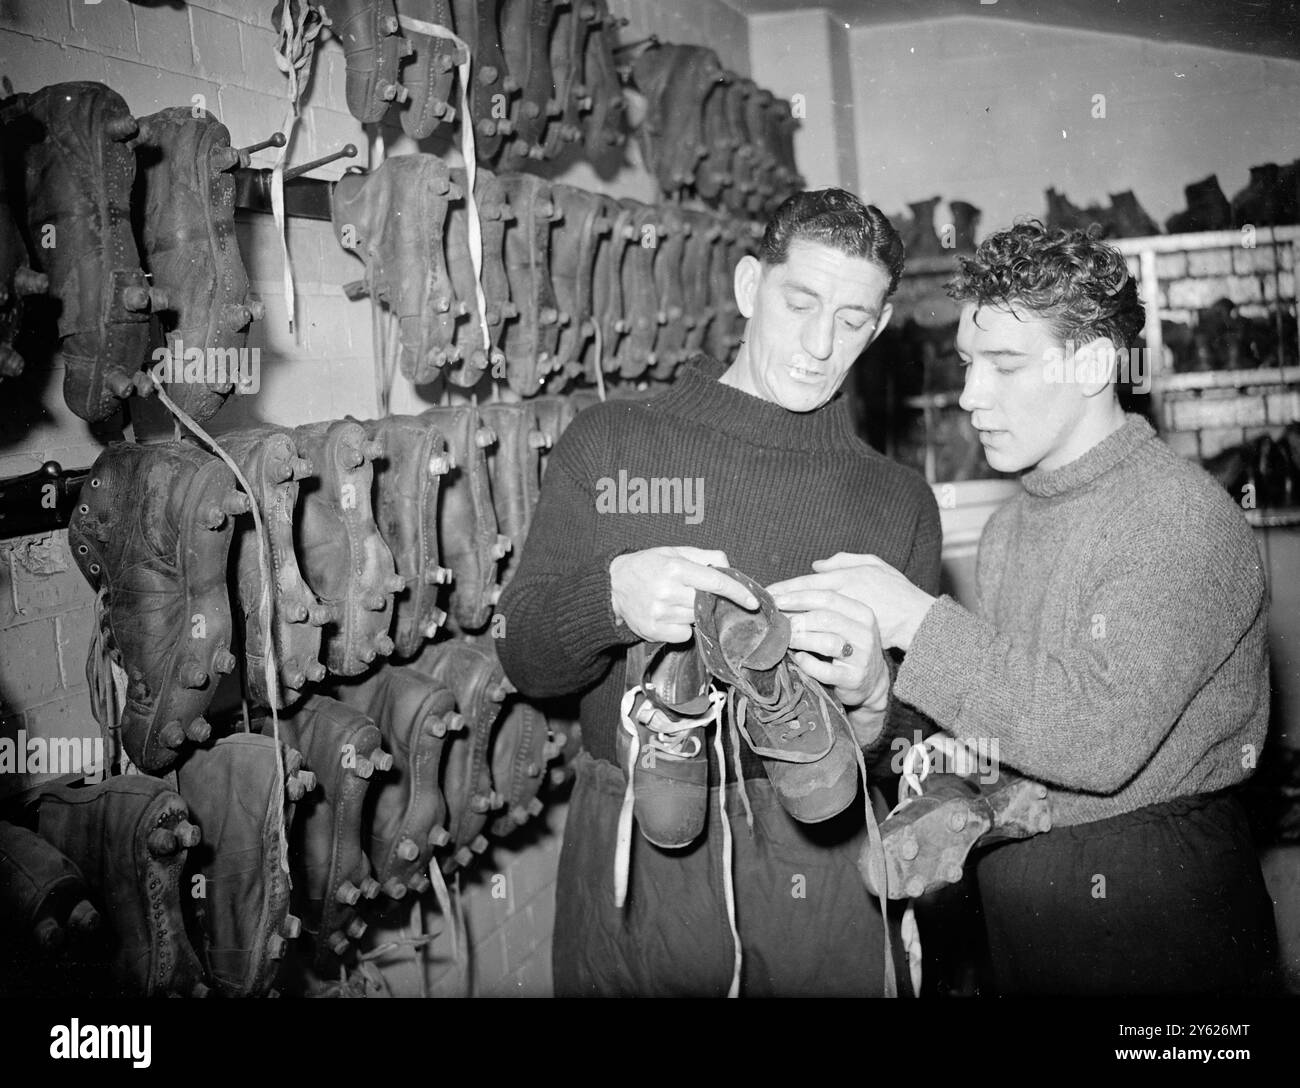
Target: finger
x=703 y=556
x=828 y=672
x=671 y=632
x=829 y=645
x=802 y=600
x=843 y=560
x=799 y=584
x=714 y=581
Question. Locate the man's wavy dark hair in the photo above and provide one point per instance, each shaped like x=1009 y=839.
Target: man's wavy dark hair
x=837 y=219
x=1073 y=279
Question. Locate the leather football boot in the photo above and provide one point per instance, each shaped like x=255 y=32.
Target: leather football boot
x=553 y=415
x=430 y=74
x=1020 y=807
x=721 y=335
x=713 y=174
x=636 y=351
x=789 y=720
x=921 y=239
x=467 y=523
x=494 y=86
x=495 y=215
x=514 y=466
x=189 y=249
x=1130 y=219
x=613 y=229
x=758 y=115
x=79 y=173
x=234 y=796
x=1061 y=215
x=574 y=246
x=43 y=896
x=520 y=753
x=741 y=97
x=343 y=556
x=663 y=742
x=568 y=68
x=1207 y=209
x=531 y=342
x=17 y=279
x=331 y=872
x=269 y=461
x=394 y=219
x=129 y=837
x=406 y=811
x=928 y=838
x=1258 y=203
x=697 y=288
x=674 y=229
x=408 y=477
x=368 y=32
x=653 y=71
x=781 y=141
x=152 y=529
x=468 y=351
x=473 y=673
x=605 y=126
x=966 y=218
x=526 y=42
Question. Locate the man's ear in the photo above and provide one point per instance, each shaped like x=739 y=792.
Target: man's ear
x=1094 y=366
x=745 y=284
x=885 y=315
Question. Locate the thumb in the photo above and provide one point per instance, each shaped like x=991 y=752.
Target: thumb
x=842 y=561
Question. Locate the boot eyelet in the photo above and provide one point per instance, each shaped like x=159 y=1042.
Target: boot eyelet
x=94 y=568
x=83 y=509
x=82 y=549
x=94 y=482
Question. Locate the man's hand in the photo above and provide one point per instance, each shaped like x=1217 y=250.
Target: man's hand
x=837 y=642
x=653 y=591
x=898 y=605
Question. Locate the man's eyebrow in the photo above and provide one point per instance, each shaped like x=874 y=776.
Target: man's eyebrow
x=804 y=289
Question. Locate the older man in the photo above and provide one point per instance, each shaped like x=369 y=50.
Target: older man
x=1118 y=652
x=778 y=478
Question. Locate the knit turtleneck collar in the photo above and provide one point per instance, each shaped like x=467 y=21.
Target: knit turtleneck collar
x=1104 y=456
x=697 y=395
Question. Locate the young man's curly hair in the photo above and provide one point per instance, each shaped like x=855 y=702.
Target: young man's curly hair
x=1073 y=279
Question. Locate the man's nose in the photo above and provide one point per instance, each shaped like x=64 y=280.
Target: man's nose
x=819 y=336
x=974 y=391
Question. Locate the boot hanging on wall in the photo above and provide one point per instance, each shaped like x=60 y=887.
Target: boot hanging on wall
x=1207 y=209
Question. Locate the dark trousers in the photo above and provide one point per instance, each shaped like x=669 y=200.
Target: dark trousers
x=807 y=924
x=1168 y=899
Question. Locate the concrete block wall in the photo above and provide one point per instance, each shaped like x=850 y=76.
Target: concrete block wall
x=165 y=55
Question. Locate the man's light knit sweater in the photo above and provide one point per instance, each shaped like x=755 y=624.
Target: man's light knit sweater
x=1120 y=652
x=779 y=490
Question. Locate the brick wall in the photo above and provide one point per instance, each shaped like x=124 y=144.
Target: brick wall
x=160 y=56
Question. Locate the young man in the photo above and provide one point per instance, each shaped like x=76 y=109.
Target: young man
x=1118 y=653
x=769 y=452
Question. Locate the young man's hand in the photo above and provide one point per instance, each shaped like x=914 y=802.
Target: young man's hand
x=653 y=591
x=836 y=641
x=898 y=605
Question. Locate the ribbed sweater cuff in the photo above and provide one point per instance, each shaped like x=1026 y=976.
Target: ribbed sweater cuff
x=946 y=654
x=585 y=624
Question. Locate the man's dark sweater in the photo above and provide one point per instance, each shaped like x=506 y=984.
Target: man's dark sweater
x=771 y=488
